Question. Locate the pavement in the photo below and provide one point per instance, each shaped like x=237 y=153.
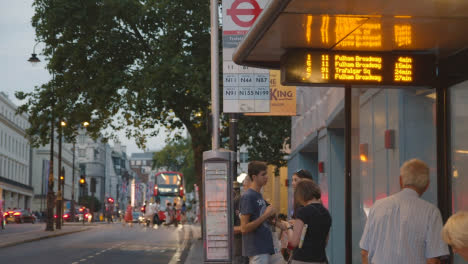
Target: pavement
x=195 y=254
x=98 y=243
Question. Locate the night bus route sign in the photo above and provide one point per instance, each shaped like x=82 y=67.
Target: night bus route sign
x=303 y=67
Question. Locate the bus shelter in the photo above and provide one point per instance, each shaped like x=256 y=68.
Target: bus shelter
x=378 y=82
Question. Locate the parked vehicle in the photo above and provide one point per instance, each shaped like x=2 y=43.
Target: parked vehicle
x=20 y=216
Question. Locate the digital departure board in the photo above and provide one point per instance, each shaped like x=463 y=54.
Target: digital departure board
x=303 y=67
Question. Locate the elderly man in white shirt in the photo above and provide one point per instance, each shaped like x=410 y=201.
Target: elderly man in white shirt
x=403 y=228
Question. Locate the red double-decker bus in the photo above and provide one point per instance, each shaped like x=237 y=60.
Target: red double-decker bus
x=169 y=188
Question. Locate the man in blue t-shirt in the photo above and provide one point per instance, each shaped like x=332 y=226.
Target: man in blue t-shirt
x=257 y=241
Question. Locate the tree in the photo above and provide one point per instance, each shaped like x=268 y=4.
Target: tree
x=266 y=138
x=133 y=65
x=177 y=156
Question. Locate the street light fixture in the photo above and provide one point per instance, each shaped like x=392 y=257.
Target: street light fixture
x=34 y=60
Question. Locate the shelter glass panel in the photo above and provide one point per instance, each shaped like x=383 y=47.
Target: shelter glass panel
x=459 y=119
x=389 y=127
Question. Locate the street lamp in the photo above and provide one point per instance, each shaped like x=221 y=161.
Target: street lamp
x=82 y=180
x=34 y=60
x=61 y=185
x=50 y=190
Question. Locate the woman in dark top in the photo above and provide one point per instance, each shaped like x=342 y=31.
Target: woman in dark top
x=315 y=219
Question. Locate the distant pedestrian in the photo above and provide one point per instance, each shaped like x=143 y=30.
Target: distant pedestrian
x=257 y=241
x=129 y=214
x=403 y=228
x=455 y=233
x=183 y=213
x=308 y=233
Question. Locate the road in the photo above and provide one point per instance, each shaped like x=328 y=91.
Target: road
x=107 y=243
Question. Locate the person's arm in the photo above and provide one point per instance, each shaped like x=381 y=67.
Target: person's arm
x=295 y=233
x=365 y=256
x=433 y=261
x=435 y=246
x=237 y=230
x=247 y=226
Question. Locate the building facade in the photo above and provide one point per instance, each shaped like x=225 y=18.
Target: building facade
x=93 y=161
x=142 y=164
x=40 y=175
x=16 y=189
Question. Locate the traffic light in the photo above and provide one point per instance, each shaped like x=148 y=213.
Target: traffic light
x=82 y=180
x=110 y=200
x=62 y=175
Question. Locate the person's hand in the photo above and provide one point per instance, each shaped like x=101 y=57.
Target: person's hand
x=270 y=211
x=283 y=225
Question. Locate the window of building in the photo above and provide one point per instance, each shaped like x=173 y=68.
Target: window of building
x=138 y=162
x=81 y=139
x=82 y=153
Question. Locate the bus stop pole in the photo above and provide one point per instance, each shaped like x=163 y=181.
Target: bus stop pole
x=214 y=74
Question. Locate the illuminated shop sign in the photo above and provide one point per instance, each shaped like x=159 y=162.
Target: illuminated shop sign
x=303 y=67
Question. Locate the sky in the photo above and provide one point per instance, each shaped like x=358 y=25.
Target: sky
x=17 y=39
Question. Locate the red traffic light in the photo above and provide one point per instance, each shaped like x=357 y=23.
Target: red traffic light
x=110 y=200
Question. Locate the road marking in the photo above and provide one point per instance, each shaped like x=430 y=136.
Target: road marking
x=82 y=260
x=90 y=257
x=75 y=262
x=176 y=257
x=99 y=253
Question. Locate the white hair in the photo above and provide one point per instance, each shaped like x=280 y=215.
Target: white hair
x=415 y=173
x=455 y=231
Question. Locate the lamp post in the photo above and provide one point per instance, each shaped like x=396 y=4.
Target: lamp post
x=72 y=207
x=50 y=186
x=58 y=223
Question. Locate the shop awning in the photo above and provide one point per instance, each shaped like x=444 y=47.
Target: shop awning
x=435 y=26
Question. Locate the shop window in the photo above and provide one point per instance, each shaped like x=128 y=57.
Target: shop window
x=390 y=126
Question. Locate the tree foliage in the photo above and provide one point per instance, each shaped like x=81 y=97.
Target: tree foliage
x=266 y=138
x=177 y=156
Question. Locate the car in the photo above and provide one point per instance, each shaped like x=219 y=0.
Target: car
x=67 y=216
x=137 y=217
x=20 y=216
x=83 y=214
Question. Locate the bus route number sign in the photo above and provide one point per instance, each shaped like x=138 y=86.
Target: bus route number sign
x=304 y=67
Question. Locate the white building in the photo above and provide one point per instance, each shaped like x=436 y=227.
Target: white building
x=15 y=156
x=92 y=157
